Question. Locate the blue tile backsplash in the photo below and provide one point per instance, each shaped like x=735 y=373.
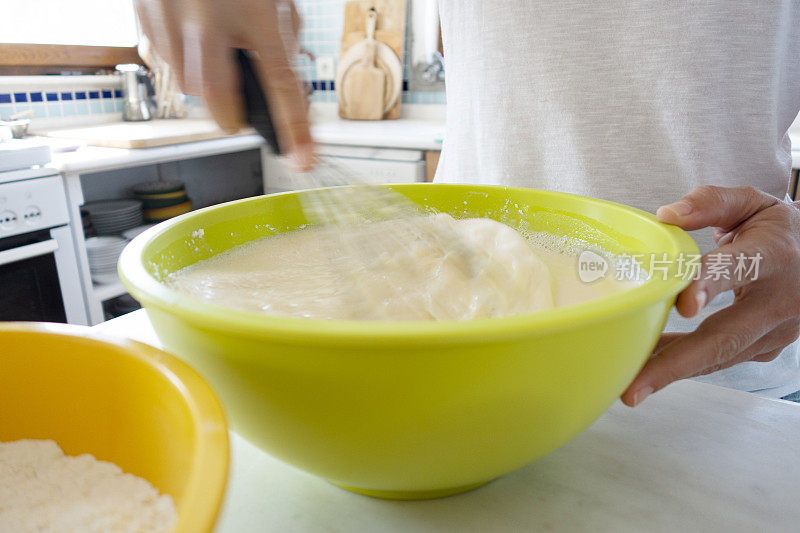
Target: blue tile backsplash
x=47 y=104
x=321 y=35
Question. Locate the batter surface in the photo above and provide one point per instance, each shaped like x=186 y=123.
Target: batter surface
x=372 y=274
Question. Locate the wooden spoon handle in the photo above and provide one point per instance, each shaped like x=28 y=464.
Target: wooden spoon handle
x=372 y=22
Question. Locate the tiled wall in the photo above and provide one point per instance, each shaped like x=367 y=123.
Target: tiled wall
x=321 y=34
x=54 y=103
x=57 y=97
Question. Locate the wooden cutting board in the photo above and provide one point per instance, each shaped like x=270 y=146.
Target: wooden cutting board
x=391 y=29
x=365 y=85
x=362 y=86
x=147 y=134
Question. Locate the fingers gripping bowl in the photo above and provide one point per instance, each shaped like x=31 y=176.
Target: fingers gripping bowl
x=412 y=409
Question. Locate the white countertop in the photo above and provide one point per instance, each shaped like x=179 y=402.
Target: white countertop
x=95 y=158
x=421 y=129
x=401 y=133
x=693 y=457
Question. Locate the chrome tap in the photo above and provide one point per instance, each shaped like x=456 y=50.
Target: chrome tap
x=138 y=93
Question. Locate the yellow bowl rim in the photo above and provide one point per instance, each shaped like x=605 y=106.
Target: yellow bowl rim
x=153 y=293
x=209 y=474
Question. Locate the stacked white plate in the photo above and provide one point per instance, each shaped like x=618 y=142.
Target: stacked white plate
x=103 y=254
x=112 y=217
x=134 y=232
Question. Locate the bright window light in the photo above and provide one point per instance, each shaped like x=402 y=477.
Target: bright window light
x=82 y=22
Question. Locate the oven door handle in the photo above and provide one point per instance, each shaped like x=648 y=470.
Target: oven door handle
x=29 y=251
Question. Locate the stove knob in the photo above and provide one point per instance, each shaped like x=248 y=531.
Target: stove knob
x=8 y=219
x=32 y=215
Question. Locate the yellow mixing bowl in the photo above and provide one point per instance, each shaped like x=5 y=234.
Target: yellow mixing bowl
x=120 y=401
x=411 y=409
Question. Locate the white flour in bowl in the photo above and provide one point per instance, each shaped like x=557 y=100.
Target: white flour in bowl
x=43 y=490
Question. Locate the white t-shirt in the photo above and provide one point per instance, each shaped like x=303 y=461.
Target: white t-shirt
x=634 y=101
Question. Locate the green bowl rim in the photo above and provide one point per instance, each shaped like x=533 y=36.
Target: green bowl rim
x=152 y=293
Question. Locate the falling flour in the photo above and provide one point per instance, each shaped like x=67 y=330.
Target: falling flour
x=43 y=490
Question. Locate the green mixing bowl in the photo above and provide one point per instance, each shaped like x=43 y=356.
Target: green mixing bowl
x=412 y=409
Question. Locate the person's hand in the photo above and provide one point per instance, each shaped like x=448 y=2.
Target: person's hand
x=198 y=38
x=765 y=315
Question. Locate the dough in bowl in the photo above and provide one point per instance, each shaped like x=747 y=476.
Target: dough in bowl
x=389 y=270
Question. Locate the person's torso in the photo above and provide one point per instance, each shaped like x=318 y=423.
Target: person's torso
x=634 y=101
x=631 y=101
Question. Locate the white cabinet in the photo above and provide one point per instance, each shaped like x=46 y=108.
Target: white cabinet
x=86 y=177
x=348 y=163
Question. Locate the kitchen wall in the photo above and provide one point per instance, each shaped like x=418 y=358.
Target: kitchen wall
x=321 y=34
x=55 y=97
x=65 y=97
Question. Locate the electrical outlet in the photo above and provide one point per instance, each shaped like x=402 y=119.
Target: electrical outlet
x=326 y=70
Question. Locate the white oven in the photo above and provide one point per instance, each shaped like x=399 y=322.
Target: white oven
x=39 y=277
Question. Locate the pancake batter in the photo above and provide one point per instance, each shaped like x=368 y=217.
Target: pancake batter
x=322 y=272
